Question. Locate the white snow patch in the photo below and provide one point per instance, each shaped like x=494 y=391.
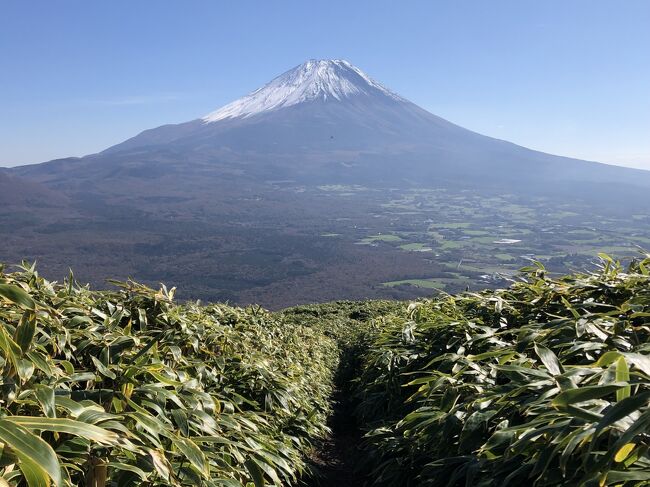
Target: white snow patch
x=313 y=80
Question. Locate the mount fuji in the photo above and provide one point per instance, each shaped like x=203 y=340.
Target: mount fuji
x=326 y=121
x=325 y=105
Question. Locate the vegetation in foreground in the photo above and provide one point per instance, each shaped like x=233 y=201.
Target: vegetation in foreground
x=128 y=388
x=546 y=382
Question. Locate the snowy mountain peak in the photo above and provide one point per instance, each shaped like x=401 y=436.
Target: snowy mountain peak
x=326 y=80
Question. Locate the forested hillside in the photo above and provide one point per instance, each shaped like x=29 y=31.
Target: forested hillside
x=546 y=382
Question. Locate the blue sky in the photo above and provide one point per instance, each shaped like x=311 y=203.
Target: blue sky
x=570 y=77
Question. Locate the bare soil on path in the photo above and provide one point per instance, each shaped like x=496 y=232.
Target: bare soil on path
x=336 y=460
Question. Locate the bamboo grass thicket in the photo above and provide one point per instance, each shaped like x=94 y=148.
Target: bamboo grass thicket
x=129 y=388
x=543 y=383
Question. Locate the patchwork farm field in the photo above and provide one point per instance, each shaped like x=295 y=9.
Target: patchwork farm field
x=476 y=240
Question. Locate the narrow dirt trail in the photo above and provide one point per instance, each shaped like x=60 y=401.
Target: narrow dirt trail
x=337 y=457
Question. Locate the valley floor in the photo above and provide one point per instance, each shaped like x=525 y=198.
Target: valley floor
x=283 y=243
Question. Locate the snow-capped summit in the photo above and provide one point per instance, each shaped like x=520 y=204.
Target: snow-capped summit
x=314 y=80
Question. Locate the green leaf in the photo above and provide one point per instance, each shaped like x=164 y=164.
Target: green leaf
x=605 y=257
x=9 y=346
x=160 y=463
x=129 y=468
x=622 y=409
x=34 y=474
x=64 y=425
x=622 y=375
x=180 y=418
x=549 y=359
x=256 y=472
x=165 y=380
x=31 y=450
x=25 y=331
x=608 y=358
x=640 y=361
x=45 y=396
x=40 y=361
x=17 y=296
x=614 y=476
x=587 y=393
x=102 y=369
x=193 y=453
x=25 y=368
x=77 y=320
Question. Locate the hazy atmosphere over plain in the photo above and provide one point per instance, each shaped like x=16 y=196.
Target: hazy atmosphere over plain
x=566 y=78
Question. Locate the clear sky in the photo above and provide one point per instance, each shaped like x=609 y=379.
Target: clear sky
x=570 y=77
